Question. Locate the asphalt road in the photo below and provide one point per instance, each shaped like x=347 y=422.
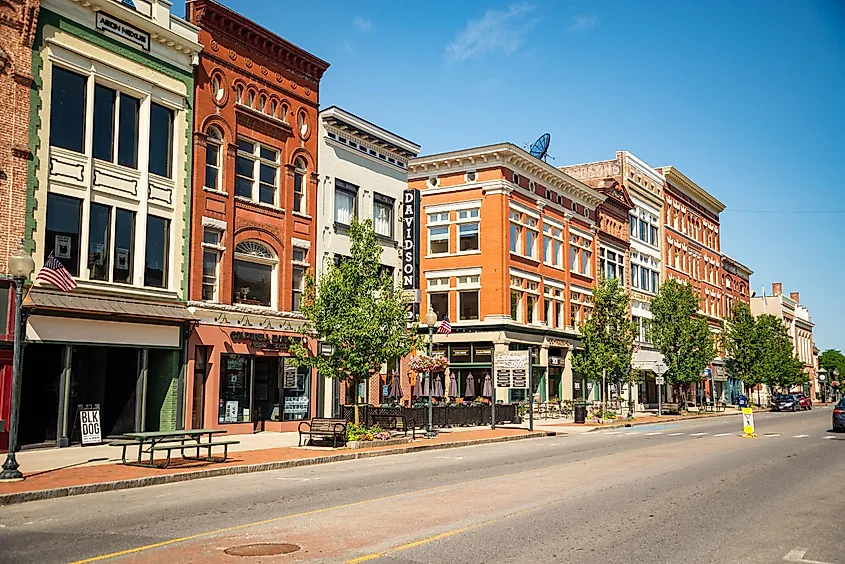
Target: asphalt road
x=691 y=492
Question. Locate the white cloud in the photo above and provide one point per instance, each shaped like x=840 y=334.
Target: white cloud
x=584 y=23
x=362 y=23
x=500 y=31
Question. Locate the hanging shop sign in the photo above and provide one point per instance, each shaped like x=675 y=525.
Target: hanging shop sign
x=411 y=248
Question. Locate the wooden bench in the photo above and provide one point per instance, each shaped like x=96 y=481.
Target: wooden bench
x=395 y=423
x=671 y=407
x=169 y=448
x=323 y=429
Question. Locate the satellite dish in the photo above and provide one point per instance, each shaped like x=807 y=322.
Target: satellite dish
x=540 y=148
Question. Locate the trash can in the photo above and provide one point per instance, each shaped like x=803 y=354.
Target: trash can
x=580 y=413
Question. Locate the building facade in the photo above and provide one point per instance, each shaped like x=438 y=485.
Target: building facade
x=17 y=32
x=799 y=324
x=643 y=187
x=691 y=252
x=253 y=223
x=363 y=173
x=111 y=123
x=509 y=252
x=736 y=283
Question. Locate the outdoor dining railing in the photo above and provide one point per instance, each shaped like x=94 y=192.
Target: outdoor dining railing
x=442 y=415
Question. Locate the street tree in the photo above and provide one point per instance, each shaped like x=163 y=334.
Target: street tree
x=831 y=360
x=776 y=364
x=356 y=308
x=607 y=335
x=680 y=334
x=741 y=345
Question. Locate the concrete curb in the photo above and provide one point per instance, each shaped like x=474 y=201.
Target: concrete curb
x=37 y=495
x=681 y=418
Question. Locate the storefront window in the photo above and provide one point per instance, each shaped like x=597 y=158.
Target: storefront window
x=235 y=383
x=297 y=385
x=482 y=353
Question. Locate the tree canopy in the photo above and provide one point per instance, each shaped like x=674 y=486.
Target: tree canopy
x=682 y=337
x=356 y=307
x=831 y=360
x=777 y=364
x=741 y=345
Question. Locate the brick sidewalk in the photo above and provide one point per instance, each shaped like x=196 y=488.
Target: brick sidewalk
x=72 y=481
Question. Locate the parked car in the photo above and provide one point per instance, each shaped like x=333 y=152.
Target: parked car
x=786 y=402
x=839 y=416
x=806 y=403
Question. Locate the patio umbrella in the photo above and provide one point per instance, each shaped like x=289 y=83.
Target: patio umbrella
x=487 y=390
x=418 y=386
x=469 y=391
x=395 y=388
x=453 y=385
x=426 y=383
x=438 y=386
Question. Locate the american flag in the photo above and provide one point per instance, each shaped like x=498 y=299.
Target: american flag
x=445 y=327
x=53 y=272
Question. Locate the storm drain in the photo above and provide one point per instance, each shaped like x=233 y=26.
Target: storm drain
x=262 y=549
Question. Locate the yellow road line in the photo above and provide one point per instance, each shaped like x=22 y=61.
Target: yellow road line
x=354 y=504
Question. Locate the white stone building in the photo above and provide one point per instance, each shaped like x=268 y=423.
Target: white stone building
x=363 y=171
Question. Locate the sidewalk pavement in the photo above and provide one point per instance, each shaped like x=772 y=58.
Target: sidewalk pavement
x=60 y=478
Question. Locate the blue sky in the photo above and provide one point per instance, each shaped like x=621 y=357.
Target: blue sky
x=743 y=97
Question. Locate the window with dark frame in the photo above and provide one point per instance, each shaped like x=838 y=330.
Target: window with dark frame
x=299 y=186
x=63 y=233
x=161 y=140
x=297 y=287
x=468 y=304
x=67 y=110
x=345 y=202
x=439 y=302
x=155 y=258
x=383 y=215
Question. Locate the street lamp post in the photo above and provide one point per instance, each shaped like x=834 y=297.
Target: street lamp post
x=430 y=320
x=21 y=266
x=836 y=375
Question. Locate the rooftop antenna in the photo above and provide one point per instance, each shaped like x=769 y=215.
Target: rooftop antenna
x=540 y=147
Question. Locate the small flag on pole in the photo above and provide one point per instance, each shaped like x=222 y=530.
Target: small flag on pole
x=445 y=327
x=53 y=272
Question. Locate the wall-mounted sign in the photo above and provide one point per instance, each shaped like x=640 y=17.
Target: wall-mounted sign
x=411 y=246
x=123 y=31
x=511 y=369
x=555 y=361
x=263 y=340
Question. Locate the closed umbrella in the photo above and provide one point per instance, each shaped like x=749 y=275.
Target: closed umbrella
x=426 y=383
x=487 y=390
x=395 y=388
x=469 y=391
x=453 y=385
x=418 y=386
x=438 y=386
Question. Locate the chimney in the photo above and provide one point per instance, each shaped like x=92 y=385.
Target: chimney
x=777 y=288
x=796 y=297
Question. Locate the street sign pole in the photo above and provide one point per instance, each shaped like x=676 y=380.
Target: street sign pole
x=660 y=369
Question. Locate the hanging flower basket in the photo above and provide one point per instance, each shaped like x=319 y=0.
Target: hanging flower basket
x=834 y=384
x=425 y=363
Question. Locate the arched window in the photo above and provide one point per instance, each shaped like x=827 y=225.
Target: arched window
x=214 y=141
x=254 y=274
x=302 y=124
x=217 y=87
x=240 y=94
x=262 y=103
x=250 y=100
x=299 y=185
x=274 y=106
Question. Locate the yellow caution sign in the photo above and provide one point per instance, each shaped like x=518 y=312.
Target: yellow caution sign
x=748 y=422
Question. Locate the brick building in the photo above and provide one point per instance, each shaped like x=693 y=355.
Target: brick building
x=509 y=252
x=17 y=32
x=736 y=284
x=691 y=252
x=253 y=223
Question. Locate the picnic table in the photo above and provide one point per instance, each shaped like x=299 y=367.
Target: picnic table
x=150 y=442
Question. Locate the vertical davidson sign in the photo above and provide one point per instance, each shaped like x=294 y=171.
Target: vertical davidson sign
x=411 y=244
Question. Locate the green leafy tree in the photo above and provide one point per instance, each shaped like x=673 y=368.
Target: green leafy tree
x=607 y=335
x=776 y=364
x=831 y=360
x=741 y=345
x=682 y=337
x=355 y=307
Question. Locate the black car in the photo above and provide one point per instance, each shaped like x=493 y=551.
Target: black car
x=839 y=416
x=786 y=402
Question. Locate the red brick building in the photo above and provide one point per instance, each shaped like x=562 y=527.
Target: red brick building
x=17 y=32
x=253 y=226
x=736 y=282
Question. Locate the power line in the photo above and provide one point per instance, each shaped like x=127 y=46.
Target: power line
x=785 y=211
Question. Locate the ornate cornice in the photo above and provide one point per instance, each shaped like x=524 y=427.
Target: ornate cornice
x=691 y=189
x=219 y=20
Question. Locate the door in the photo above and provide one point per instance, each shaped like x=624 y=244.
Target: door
x=201 y=361
x=266 y=389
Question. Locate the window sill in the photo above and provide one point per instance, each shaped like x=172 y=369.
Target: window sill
x=445 y=255
x=213 y=247
x=341 y=228
x=554 y=266
x=513 y=254
x=300 y=214
x=259 y=204
x=213 y=191
x=385 y=240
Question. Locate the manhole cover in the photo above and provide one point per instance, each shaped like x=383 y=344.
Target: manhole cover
x=262 y=549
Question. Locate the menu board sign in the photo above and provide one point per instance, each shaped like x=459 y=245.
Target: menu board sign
x=511 y=369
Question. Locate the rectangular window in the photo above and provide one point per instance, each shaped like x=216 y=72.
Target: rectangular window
x=438 y=217
x=257 y=172
x=547 y=250
x=300 y=255
x=253 y=283
x=515 y=303
x=516 y=232
x=127 y=140
x=548 y=312
x=644 y=231
x=345 y=196
x=573 y=259
x=439 y=302
x=161 y=140
x=530 y=243
x=467 y=214
x=124 y=246
x=212 y=165
x=468 y=235
x=155 y=259
x=298 y=286
x=468 y=305
x=99 y=226
x=635 y=276
x=644 y=279
x=655 y=281
x=585 y=262
x=438 y=239
x=63 y=232
x=383 y=217
x=654 y=237
x=67 y=110
x=559 y=313
x=104 y=99
x=210 y=262
x=632 y=222
x=531 y=303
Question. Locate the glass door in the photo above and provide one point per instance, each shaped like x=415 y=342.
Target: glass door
x=266 y=389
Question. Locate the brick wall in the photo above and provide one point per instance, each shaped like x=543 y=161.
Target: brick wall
x=17 y=30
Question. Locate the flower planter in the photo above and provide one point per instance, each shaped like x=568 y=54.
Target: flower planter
x=370 y=444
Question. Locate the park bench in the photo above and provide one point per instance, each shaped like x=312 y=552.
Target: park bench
x=169 y=448
x=671 y=407
x=323 y=429
x=150 y=442
x=717 y=407
x=395 y=423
